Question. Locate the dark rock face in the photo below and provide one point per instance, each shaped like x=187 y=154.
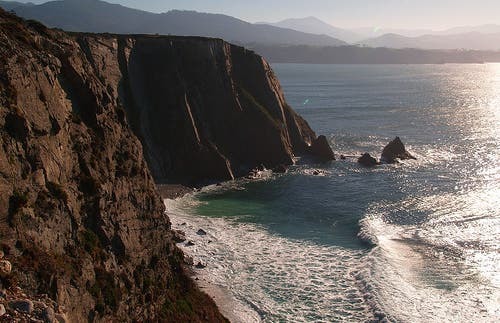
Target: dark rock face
x=321 y=149
x=203 y=109
x=367 y=160
x=80 y=217
x=395 y=150
x=24 y=306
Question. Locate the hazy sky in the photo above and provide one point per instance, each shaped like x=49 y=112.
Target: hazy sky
x=408 y=14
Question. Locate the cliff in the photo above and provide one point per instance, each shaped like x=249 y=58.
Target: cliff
x=203 y=109
x=80 y=218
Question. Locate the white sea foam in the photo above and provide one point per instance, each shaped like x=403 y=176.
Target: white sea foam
x=423 y=273
x=268 y=277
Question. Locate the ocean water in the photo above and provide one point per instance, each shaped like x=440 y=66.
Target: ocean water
x=417 y=241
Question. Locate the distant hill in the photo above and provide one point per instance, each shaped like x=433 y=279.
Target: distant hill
x=471 y=40
x=368 y=55
x=9 y=5
x=484 y=29
x=372 y=32
x=100 y=16
x=314 y=25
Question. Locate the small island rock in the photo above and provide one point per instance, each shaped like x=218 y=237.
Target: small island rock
x=395 y=150
x=367 y=160
x=320 y=148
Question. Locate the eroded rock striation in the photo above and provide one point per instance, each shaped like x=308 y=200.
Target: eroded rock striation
x=80 y=217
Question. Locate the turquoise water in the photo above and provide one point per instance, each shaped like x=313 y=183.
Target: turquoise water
x=412 y=242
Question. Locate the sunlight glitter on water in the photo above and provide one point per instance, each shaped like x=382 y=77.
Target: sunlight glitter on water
x=292 y=247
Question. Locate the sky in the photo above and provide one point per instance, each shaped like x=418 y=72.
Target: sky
x=401 y=14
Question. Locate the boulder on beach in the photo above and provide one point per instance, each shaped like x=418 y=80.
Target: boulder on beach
x=320 y=148
x=395 y=150
x=200 y=265
x=367 y=160
x=201 y=232
x=178 y=236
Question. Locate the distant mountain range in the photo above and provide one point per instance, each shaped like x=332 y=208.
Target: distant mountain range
x=485 y=37
x=470 y=40
x=315 y=26
x=373 y=32
x=369 y=55
x=9 y=5
x=100 y=16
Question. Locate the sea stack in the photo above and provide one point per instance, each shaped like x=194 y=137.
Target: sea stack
x=395 y=150
x=320 y=148
x=367 y=160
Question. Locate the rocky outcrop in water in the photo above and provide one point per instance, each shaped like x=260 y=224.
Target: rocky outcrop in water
x=320 y=148
x=80 y=218
x=395 y=150
x=367 y=160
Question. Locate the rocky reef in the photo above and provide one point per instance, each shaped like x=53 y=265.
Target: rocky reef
x=89 y=124
x=80 y=218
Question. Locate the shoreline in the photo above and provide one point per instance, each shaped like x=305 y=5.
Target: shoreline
x=230 y=306
x=173 y=191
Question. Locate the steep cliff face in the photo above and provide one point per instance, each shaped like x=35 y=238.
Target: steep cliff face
x=80 y=218
x=204 y=109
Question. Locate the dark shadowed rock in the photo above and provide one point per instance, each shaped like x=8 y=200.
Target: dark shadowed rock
x=178 y=236
x=395 y=150
x=23 y=306
x=200 y=265
x=201 y=124
x=320 y=148
x=201 y=232
x=189 y=244
x=367 y=160
x=280 y=169
x=81 y=219
x=48 y=315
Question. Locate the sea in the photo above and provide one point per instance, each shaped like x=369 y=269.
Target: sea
x=417 y=241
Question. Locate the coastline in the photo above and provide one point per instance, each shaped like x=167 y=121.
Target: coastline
x=173 y=191
x=232 y=308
